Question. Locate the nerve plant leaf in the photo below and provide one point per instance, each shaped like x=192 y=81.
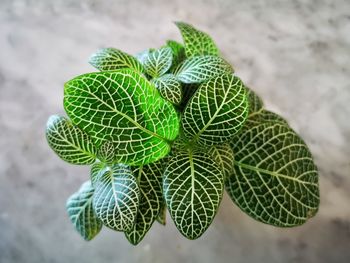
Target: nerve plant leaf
x=158 y=62
x=255 y=102
x=196 y=42
x=178 y=52
x=275 y=179
x=106 y=152
x=264 y=116
x=193 y=187
x=116 y=198
x=81 y=213
x=69 y=142
x=96 y=170
x=169 y=88
x=124 y=108
x=150 y=184
x=202 y=68
x=223 y=155
x=109 y=59
x=216 y=112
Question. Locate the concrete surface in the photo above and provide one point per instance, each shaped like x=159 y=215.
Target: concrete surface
x=295 y=54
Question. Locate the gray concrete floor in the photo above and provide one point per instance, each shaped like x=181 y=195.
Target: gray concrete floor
x=295 y=54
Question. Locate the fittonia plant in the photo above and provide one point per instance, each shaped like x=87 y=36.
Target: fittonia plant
x=172 y=128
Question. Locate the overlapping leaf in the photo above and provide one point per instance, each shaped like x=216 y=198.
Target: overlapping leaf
x=69 y=142
x=150 y=184
x=264 y=116
x=193 y=186
x=169 y=88
x=196 y=42
x=158 y=62
x=96 y=170
x=216 y=112
x=106 y=152
x=223 y=155
x=275 y=179
x=178 y=52
x=124 y=108
x=161 y=218
x=255 y=102
x=81 y=213
x=109 y=59
x=116 y=198
x=202 y=68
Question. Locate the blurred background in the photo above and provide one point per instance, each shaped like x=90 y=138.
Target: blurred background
x=294 y=54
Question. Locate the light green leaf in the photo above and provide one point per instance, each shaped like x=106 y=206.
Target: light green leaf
x=275 y=179
x=202 y=68
x=106 y=152
x=97 y=169
x=150 y=184
x=178 y=52
x=142 y=56
x=109 y=59
x=124 y=108
x=222 y=154
x=81 y=213
x=255 y=102
x=169 y=88
x=193 y=187
x=196 y=42
x=161 y=218
x=216 y=112
x=158 y=62
x=264 y=116
x=116 y=198
x=69 y=142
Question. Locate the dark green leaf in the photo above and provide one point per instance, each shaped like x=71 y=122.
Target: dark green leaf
x=69 y=142
x=116 y=198
x=264 y=116
x=216 y=112
x=81 y=213
x=202 y=68
x=109 y=59
x=196 y=42
x=275 y=179
x=255 y=102
x=222 y=154
x=193 y=187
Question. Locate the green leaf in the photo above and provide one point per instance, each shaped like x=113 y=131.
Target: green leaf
x=69 y=142
x=109 y=59
x=169 y=88
x=193 y=187
x=116 y=198
x=264 y=116
x=106 y=152
x=216 y=112
x=161 y=218
x=97 y=169
x=275 y=179
x=178 y=52
x=158 y=62
x=196 y=42
x=142 y=56
x=202 y=68
x=81 y=213
x=124 y=108
x=188 y=91
x=150 y=184
x=255 y=102
x=222 y=154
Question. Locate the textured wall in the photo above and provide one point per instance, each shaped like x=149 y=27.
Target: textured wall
x=295 y=54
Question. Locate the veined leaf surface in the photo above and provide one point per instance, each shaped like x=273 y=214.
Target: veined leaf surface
x=124 y=108
x=169 y=88
x=69 y=142
x=223 y=155
x=158 y=62
x=275 y=179
x=264 y=116
x=109 y=59
x=81 y=213
x=216 y=112
x=178 y=52
x=196 y=42
x=255 y=102
x=116 y=198
x=202 y=68
x=96 y=170
x=193 y=187
x=150 y=184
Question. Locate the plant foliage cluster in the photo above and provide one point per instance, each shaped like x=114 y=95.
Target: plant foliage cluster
x=171 y=129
